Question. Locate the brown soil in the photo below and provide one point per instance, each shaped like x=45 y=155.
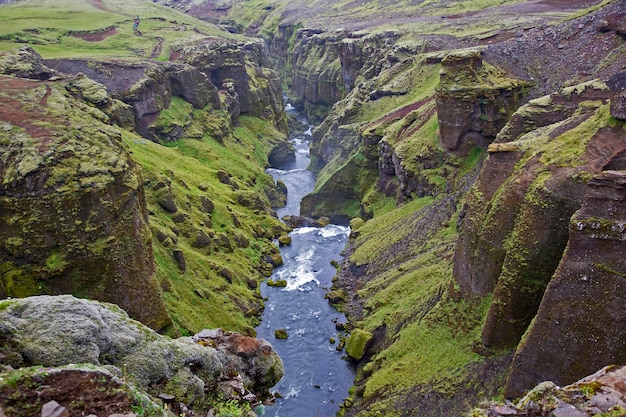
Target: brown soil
x=81 y=392
x=158 y=47
x=96 y=36
x=27 y=114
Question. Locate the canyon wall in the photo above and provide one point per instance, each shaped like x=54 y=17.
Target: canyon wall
x=74 y=216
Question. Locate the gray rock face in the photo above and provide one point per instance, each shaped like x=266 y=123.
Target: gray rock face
x=618 y=106
x=56 y=331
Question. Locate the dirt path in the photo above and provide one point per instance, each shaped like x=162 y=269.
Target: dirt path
x=158 y=47
x=96 y=36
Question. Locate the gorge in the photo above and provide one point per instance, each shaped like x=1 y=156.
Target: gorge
x=475 y=149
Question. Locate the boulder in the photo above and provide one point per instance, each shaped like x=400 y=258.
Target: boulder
x=601 y=393
x=357 y=343
x=59 y=330
x=281 y=155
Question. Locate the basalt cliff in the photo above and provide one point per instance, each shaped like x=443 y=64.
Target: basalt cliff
x=476 y=149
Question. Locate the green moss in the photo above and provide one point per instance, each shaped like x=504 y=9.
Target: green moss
x=191 y=172
x=55 y=29
x=56 y=262
x=281 y=334
x=357 y=343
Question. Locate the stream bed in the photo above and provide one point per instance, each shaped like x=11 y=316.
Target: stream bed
x=317 y=378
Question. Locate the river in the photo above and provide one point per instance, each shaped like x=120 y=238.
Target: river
x=316 y=377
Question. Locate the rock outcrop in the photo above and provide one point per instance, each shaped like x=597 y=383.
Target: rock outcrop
x=525 y=183
x=243 y=65
x=599 y=394
x=474 y=100
x=57 y=331
x=579 y=325
x=74 y=216
x=218 y=73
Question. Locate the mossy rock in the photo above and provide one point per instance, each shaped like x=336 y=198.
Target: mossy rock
x=277 y=283
x=277 y=260
x=284 y=240
x=336 y=296
x=281 y=334
x=357 y=343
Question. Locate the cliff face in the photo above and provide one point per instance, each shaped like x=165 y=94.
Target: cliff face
x=219 y=73
x=474 y=100
x=74 y=216
x=579 y=325
x=244 y=65
x=525 y=183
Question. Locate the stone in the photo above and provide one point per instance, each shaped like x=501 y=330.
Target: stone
x=336 y=296
x=618 y=105
x=281 y=334
x=281 y=283
x=276 y=260
x=357 y=343
x=284 y=240
x=179 y=257
x=282 y=154
x=505 y=410
x=54 y=409
x=89 y=332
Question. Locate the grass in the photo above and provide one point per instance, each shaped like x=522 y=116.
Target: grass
x=200 y=297
x=49 y=27
x=429 y=334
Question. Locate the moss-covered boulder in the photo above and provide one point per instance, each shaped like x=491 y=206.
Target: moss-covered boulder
x=59 y=330
x=74 y=213
x=357 y=343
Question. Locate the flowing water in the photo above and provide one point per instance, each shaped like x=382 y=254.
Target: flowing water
x=316 y=377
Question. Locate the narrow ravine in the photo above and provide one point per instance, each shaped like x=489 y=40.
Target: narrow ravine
x=317 y=378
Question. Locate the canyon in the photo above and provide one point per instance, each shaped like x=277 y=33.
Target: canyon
x=475 y=149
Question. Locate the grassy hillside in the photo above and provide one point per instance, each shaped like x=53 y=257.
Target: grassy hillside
x=219 y=286
x=99 y=28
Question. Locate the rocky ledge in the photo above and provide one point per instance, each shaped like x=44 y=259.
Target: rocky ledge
x=600 y=394
x=125 y=366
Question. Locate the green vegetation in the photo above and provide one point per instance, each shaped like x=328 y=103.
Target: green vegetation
x=430 y=332
x=215 y=290
x=83 y=29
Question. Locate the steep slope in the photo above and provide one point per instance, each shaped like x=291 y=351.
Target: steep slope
x=180 y=82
